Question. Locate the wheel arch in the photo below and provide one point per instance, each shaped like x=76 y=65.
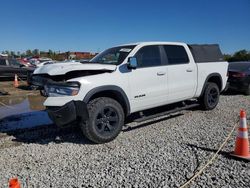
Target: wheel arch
x=110 y=91
x=215 y=78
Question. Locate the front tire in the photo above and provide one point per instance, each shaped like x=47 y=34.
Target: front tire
x=211 y=96
x=106 y=118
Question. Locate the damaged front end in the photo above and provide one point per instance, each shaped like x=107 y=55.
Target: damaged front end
x=58 y=86
x=56 y=81
x=61 y=72
x=68 y=113
x=39 y=81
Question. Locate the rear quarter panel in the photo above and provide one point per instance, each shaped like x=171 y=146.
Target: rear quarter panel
x=205 y=69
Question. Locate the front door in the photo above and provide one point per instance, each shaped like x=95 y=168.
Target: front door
x=148 y=86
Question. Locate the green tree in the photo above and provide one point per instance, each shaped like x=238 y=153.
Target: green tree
x=29 y=53
x=241 y=55
x=227 y=57
x=36 y=52
x=50 y=54
x=12 y=53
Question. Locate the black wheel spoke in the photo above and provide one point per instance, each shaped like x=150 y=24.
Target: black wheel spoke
x=109 y=112
x=113 y=118
x=101 y=127
x=209 y=101
x=212 y=96
x=98 y=121
x=102 y=112
x=109 y=126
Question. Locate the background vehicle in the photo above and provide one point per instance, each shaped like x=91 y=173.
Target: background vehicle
x=44 y=63
x=131 y=79
x=10 y=67
x=25 y=62
x=239 y=77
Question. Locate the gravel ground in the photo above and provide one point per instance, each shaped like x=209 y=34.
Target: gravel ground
x=160 y=153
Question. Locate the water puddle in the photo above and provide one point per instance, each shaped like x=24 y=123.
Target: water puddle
x=11 y=105
x=18 y=112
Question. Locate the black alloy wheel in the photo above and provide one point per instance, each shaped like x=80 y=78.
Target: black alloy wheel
x=106 y=118
x=210 y=97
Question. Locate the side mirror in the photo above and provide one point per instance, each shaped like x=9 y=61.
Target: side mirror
x=132 y=63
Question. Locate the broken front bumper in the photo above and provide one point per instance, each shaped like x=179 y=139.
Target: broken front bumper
x=65 y=115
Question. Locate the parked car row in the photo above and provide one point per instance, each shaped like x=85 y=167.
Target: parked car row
x=24 y=67
x=9 y=67
x=34 y=61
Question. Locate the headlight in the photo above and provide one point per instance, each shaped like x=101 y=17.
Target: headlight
x=62 y=89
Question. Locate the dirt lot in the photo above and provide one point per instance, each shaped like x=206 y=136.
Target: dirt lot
x=163 y=152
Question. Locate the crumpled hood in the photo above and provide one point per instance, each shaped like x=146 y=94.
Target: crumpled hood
x=63 y=68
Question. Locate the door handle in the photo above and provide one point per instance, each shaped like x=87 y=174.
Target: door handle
x=189 y=70
x=161 y=73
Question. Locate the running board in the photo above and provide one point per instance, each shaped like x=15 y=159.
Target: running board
x=144 y=118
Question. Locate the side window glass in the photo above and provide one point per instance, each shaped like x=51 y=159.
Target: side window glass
x=176 y=54
x=148 y=56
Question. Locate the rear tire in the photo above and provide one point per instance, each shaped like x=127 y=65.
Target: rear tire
x=211 y=96
x=106 y=118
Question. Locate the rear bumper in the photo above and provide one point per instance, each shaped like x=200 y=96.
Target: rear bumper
x=68 y=113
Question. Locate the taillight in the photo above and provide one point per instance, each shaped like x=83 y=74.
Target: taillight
x=239 y=75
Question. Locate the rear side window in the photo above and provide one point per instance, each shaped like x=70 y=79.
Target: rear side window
x=2 y=62
x=176 y=54
x=148 y=56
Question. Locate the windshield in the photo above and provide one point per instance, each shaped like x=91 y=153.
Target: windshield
x=113 y=56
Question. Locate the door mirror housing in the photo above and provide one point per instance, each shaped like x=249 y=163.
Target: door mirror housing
x=132 y=63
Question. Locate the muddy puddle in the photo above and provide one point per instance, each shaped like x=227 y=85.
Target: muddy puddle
x=18 y=112
x=11 y=105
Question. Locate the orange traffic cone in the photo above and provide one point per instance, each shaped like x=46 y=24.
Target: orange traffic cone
x=16 y=84
x=242 y=143
x=14 y=183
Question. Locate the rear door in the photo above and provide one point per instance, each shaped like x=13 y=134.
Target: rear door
x=182 y=73
x=148 y=81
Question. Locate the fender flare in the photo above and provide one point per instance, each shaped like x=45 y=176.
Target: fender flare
x=108 y=88
x=206 y=81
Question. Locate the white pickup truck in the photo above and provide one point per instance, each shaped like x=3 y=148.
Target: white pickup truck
x=131 y=79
